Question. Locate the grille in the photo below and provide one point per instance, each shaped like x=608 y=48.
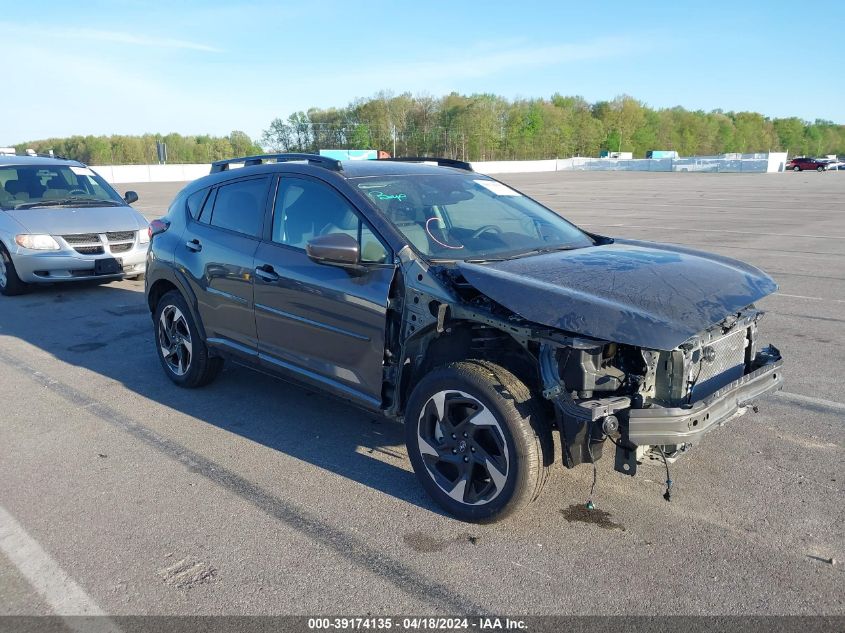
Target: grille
x=82 y=238
x=121 y=236
x=120 y=248
x=89 y=250
x=722 y=361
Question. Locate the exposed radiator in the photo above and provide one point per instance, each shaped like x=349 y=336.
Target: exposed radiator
x=722 y=361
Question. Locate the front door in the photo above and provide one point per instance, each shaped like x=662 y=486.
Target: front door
x=323 y=322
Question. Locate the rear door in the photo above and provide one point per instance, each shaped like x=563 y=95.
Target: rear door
x=217 y=250
x=323 y=322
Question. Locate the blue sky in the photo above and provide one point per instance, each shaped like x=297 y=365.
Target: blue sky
x=128 y=67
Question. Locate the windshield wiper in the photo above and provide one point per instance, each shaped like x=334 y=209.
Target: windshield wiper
x=486 y=260
x=545 y=249
x=534 y=251
x=65 y=202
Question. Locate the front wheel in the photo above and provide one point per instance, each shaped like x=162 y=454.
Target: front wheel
x=10 y=283
x=820 y=168
x=182 y=352
x=796 y=168
x=477 y=440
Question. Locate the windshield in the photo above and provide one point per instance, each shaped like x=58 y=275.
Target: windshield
x=31 y=186
x=453 y=216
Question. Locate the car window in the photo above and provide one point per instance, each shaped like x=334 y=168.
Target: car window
x=25 y=186
x=474 y=213
x=239 y=206
x=372 y=250
x=456 y=216
x=305 y=209
x=208 y=205
x=194 y=202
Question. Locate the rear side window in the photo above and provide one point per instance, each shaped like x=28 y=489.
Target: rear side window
x=194 y=202
x=240 y=206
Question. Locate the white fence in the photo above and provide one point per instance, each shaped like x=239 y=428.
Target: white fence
x=750 y=163
x=118 y=174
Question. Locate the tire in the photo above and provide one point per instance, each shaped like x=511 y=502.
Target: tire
x=10 y=283
x=820 y=168
x=477 y=440
x=181 y=350
x=796 y=168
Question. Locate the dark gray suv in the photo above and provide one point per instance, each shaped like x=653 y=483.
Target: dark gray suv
x=443 y=298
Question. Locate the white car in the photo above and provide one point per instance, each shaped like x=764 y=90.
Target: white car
x=60 y=221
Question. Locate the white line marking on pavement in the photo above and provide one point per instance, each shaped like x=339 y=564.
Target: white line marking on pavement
x=686 y=228
x=821 y=402
x=59 y=590
x=783 y=294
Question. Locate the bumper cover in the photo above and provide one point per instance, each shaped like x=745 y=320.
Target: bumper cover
x=677 y=425
x=64 y=266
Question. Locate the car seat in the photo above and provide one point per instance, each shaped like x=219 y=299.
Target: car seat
x=56 y=188
x=16 y=189
x=404 y=217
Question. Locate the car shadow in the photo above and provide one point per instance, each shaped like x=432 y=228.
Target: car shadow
x=107 y=329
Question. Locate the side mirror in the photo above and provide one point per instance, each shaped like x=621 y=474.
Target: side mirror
x=130 y=196
x=337 y=249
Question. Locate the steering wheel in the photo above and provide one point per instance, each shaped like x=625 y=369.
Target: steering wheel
x=73 y=191
x=484 y=229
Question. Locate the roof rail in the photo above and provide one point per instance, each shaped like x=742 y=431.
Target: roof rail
x=440 y=162
x=313 y=159
x=53 y=155
x=9 y=151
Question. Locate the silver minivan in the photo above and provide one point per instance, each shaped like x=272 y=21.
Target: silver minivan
x=60 y=221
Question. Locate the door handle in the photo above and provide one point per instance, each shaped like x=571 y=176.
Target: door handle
x=267 y=273
x=194 y=245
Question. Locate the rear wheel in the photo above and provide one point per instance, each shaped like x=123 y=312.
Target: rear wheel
x=820 y=168
x=182 y=352
x=10 y=283
x=477 y=441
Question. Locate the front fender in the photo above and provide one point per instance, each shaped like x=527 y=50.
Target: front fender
x=9 y=228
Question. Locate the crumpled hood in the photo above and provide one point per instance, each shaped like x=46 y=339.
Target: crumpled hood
x=70 y=220
x=638 y=293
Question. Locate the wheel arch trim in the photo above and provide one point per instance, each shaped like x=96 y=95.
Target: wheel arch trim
x=177 y=279
x=418 y=345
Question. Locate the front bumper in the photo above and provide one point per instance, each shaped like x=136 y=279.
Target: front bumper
x=679 y=425
x=54 y=266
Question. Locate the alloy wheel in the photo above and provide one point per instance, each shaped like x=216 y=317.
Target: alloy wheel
x=463 y=447
x=3 y=274
x=174 y=339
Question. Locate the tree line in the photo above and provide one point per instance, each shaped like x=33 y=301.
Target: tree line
x=141 y=150
x=490 y=127
x=477 y=127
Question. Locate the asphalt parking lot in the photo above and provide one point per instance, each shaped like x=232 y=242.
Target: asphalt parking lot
x=252 y=496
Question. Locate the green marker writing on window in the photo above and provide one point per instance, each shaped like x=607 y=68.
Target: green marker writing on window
x=389 y=196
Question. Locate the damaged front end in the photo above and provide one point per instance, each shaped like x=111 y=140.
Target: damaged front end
x=636 y=369
x=651 y=399
x=655 y=344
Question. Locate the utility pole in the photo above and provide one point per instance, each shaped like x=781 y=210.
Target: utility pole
x=394 y=140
